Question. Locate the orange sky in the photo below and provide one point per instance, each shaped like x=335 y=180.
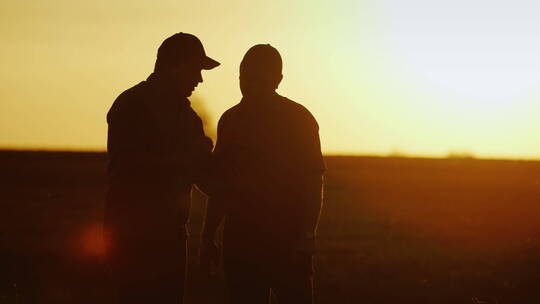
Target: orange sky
x=387 y=76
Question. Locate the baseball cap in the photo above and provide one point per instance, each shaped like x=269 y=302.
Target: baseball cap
x=183 y=46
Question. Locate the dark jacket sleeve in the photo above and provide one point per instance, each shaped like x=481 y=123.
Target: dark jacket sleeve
x=200 y=154
x=216 y=177
x=125 y=142
x=310 y=184
x=313 y=146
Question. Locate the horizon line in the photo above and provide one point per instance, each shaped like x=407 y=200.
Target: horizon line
x=450 y=155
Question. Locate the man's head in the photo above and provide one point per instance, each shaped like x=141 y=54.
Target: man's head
x=260 y=71
x=181 y=59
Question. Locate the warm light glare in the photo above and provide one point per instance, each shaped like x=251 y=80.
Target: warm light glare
x=92 y=241
x=420 y=77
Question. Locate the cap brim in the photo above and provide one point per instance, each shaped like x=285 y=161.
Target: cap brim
x=209 y=63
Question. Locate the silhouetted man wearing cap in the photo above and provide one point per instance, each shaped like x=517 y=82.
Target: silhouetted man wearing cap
x=158 y=150
x=268 y=152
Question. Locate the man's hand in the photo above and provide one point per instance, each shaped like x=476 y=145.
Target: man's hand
x=302 y=254
x=210 y=256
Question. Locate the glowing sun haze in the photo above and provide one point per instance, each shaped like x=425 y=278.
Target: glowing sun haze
x=421 y=77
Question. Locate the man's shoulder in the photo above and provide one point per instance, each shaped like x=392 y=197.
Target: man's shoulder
x=298 y=111
x=133 y=94
x=128 y=100
x=293 y=106
x=230 y=114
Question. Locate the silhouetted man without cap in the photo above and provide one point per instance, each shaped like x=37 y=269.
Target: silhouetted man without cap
x=268 y=152
x=157 y=150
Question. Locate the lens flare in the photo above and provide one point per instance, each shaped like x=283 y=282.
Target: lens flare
x=92 y=241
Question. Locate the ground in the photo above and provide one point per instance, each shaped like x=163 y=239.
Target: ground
x=393 y=230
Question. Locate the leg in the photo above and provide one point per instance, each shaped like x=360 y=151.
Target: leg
x=292 y=282
x=153 y=273
x=146 y=249
x=245 y=284
x=299 y=291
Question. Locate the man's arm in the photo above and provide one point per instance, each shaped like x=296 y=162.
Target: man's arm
x=215 y=208
x=125 y=142
x=216 y=204
x=310 y=184
x=311 y=198
x=202 y=165
x=210 y=251
x=215 y=213
x=128 y=146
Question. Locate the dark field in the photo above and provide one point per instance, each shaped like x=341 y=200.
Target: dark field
x=393 y=230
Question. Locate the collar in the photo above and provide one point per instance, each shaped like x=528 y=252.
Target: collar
x=165 y=89
x=266 y=99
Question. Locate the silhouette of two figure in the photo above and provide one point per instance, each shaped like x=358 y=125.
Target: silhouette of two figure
x=263 y=179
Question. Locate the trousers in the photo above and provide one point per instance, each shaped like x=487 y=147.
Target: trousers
x=257 y=266
x=146 y=242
